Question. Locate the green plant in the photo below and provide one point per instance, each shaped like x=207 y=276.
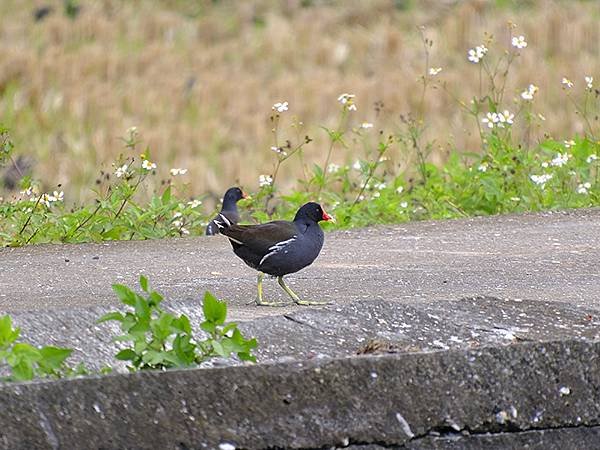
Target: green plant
x=26 y=362
x=160 y=340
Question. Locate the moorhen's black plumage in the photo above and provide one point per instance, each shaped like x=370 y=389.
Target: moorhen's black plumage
x=280 y=247
x=229 y=209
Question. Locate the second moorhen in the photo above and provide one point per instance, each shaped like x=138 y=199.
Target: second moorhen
x=229 y=209
x=280 y=247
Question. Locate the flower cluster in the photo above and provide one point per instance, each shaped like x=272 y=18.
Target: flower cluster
x=122 y=171
x=265 y=180
x=567 y=84
x=179 y=171
x=433 y=71
x=499 y=120
x=476 y=54
x=280 y=107
x=590 y=159
x=146 y=164
x=541 y=180
x=348 y=101
x=583 y=188
x=178 y=223
x=519 y=42
x=589 y=82
x=560 y=159
x=279 y=151
x=529 y=92
x=48 y=199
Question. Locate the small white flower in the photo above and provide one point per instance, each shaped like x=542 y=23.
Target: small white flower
x=583 y=188
x=399 y=189
x=519 y=42
x=265 y=180
x=121 y=171
x=376 y=194
x=483 y=167
x=433 y=71
x=491 y=119
x=177 y=214
x=544 y=164
x=505 y=117
x=515 y=199
x=567 y=84
x=560 y=159
x=184 y=230
x=177 y=223
x=569 y=143
x=366 y=125
x=476 y=54
x=589 y=81
x=590 y=159
x=148 y=165
x=346 y=98
x=379 y=186
x=541 y=180
x=403 y=204
x=280 y=107
x=529 y=92
x=332 y=168
x=541 y=117
x=28 y=192
x=348 y=101
x=132 y=131
x=356 y=165
x=176 y=172
x=194 y=203
x=279 y=151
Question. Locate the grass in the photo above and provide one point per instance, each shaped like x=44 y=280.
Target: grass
x=199 y=78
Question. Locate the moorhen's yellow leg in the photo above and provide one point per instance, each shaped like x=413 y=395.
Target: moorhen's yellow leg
x=259 y=300
x=294 y=297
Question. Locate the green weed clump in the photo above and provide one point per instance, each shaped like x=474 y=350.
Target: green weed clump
x=161 y=340
x=157 y=340
x=25 y=362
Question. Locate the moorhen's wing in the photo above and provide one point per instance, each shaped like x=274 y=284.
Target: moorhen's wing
x=260 y=238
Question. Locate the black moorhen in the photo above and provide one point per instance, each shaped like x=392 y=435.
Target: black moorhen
x=280 y=247
x=229 y=209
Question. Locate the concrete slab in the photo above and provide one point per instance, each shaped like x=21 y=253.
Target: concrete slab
x=503 y=397
x=548 y=256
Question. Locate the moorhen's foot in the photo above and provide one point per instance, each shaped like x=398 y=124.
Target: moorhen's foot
x=297 y=300
x=311 y=303
x=273 y=304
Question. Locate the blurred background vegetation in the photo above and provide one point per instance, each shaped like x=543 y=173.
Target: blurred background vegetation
x=198 y=78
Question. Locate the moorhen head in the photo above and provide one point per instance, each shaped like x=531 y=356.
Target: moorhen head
x=229 y=209
x=280 y=247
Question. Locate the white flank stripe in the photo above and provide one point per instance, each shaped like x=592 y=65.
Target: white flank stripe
x=276 y=248
x=225 y=220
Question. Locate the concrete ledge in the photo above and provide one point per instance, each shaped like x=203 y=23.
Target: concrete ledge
x=412 y=400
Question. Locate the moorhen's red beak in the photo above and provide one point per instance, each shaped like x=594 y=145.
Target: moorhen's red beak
x=244 y=195
x=327 y=217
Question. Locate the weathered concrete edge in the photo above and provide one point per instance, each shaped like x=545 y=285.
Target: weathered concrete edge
x=386 y=400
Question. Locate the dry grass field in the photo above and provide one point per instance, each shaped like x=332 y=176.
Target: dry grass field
x=198 y=78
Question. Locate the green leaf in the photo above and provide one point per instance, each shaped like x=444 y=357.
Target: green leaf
x=144 y=283
x=53 y=357
x=126 y=355
x=23 y=371
x=114 y=315
x=142 y=308
x=214 y=310
x=8 y=335
x=126 y=295
x=166 y=197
